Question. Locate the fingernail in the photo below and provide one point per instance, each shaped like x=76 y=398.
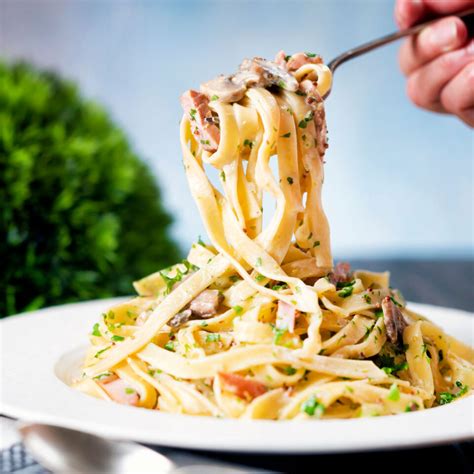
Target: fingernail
x=443 y=36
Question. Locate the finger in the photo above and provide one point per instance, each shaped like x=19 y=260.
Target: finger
x=458 y=95
x=442 y=7
x=424 y=85
x=445 y=35
x=410 y=12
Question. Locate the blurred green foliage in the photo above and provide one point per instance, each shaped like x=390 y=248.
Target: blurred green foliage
x=80 y=215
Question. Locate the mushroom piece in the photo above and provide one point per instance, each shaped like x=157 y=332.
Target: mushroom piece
x=394 y=320
x=263 y=73
x=206 y=303
x=180 y=318
x=224 y=89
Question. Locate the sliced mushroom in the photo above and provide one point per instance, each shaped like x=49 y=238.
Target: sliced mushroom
x=206 y=303
x=262 y=73
x=394 y=320
x=224 y=89
x=180 y=318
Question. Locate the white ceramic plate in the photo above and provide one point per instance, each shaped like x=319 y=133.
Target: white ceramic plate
x=40 y=350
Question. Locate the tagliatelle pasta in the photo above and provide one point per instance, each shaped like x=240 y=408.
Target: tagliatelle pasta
x=259 y=323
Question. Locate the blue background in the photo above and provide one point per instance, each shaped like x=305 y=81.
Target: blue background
x=398 y=179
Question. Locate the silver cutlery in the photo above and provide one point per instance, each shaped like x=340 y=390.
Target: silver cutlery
x=377 y=43
x=63 y=450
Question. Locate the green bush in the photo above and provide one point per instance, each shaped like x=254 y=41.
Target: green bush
x=80 y=215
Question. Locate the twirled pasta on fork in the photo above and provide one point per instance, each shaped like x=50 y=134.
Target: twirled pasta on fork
x=259 y=323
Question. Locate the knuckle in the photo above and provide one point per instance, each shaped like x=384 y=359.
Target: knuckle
x=447 y=61
x=414 y=92
x=470 y=78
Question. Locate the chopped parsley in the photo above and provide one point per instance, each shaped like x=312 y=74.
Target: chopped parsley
x=97 y=354
x=169 y=346
x=446 y=397
x=215 y=97
x=286 y=135
x=103 y=375
x=192 y=114
x=300 y=93
x=367 y=299
x=288 y=57
x=204 y=324
x=290 y=180
x=378 y=313
x=289 y=370
x=248 y=143
x=200 y=242
x=310 y=55
x=223 y=176
x=234 y=278
x=117 y=338
x=205 y=142
x=213 y=337
x=346 y=290
x=281 y=84
x=238 y=309
x=395 y=368
x=280 y=286
x=316 y=243
x=96 y=331
x=312 y=407
x=170 y=281
x=278 y=334
x=394 y=393
x=308 y=117
x=258 y=263
x=259 y=278
x=129 y=390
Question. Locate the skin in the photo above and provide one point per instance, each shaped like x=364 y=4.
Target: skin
x=438 y=62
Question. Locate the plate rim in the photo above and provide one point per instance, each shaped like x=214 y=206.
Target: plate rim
x=368 y=426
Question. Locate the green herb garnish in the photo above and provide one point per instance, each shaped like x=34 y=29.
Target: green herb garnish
x=248 y=143
x=97 y=354
x=394 y=393
x=169 y=346
x=308 y=117
x=96 y=331
x=312 y=407
x=213 y=337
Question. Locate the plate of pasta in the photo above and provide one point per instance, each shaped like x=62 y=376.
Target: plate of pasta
x=256 y=341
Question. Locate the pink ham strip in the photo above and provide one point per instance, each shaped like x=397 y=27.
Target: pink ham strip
x=241 y=386
x=295 y=61
x=286 y=316
x=196 y=105
x=341 y=274
x=117 y=392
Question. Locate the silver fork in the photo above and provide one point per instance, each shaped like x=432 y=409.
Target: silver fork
x=467 y=15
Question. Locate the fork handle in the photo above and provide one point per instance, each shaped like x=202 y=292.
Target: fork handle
x=466 y=15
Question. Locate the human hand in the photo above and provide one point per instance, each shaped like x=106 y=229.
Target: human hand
x=439 y=61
